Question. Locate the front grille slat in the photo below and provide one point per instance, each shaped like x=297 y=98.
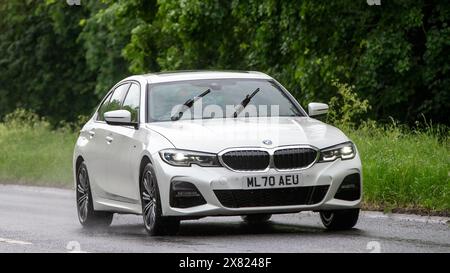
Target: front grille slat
x=309 y=195
x=294 y=158
x=247 y=160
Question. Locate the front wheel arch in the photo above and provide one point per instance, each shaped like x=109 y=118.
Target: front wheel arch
x=150 y=194
x=80 y=160
x=144 y=161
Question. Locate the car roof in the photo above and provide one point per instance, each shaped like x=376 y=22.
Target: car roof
x=184 y=75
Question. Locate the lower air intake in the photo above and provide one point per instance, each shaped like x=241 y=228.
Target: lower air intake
x=272 y=197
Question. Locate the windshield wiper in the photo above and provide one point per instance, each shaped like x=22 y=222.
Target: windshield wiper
x=244 y=103
x=188 y=104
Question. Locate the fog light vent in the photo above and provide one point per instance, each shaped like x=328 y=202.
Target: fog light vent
x=350 y=189
x=184 y=195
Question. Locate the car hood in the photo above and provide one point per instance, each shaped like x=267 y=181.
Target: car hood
x=215 y=135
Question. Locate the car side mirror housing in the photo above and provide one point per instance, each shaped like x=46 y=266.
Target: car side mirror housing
x=119 y=117
x=317 y=109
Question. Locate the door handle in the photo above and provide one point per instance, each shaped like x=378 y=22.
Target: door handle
x=109 y=139
x=91 y=133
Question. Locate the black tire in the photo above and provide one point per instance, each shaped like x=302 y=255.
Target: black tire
x=87 y=216
x=256 y=218
x=155 y=224
x=339 y=219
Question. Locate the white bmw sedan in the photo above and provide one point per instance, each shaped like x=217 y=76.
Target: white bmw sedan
x=184 y=145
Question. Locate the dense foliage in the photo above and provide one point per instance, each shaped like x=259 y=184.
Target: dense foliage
x=58 y=59
x=42 y=67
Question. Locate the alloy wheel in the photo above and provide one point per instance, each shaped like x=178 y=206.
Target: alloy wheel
x=83 y=194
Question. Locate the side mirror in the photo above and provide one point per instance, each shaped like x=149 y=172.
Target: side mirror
x=317 y=109
x=119 y=117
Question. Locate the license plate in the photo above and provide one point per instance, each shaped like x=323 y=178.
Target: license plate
x=271 y=181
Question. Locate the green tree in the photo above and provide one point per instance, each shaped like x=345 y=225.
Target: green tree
x=395 y=54
x=42 y=67
x=106 y=32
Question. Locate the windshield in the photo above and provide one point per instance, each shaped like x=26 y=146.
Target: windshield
x=225 y=99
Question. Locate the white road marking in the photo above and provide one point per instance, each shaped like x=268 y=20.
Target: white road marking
x=15 y=242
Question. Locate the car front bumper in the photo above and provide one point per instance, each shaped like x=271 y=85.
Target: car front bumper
x=208 y=179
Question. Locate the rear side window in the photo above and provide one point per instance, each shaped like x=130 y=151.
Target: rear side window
x=131 y=102
x=114 y=102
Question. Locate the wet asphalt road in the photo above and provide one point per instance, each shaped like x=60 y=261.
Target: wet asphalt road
x=34 y=219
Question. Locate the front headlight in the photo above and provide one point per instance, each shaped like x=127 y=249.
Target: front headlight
x=343 y=151
x=185 y=158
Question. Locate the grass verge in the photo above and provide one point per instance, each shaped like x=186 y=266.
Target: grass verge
x=36 y=156
x=405 y=170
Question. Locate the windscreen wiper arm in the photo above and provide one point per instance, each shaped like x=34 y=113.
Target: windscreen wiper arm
x=244 y=103
x=188 y=104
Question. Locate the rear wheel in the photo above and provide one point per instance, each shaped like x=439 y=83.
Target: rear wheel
x=155 y=224
x=339 y=219
x=256 y=218
x=87 y=216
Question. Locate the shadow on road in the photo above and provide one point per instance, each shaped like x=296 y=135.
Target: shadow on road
x=211 y=229
x=242 y=228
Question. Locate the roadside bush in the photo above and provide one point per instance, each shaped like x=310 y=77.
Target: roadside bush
x=346 y=108
x=25 y=119
x=73 y=126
